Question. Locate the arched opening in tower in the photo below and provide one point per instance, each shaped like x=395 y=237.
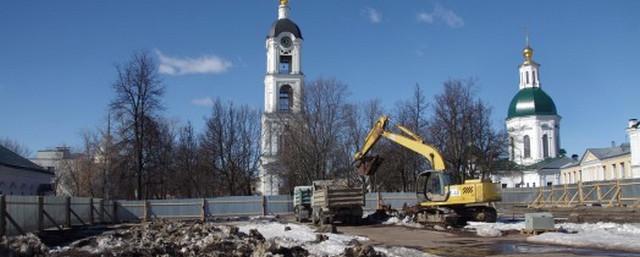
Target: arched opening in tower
x=285 y=102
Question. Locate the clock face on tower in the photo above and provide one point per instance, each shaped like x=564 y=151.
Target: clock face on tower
x=285 y=42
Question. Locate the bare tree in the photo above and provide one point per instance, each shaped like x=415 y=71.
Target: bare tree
x=461 y=129
x=188 y=180
x=314 y=139
x=231 y=144
x=15 y=147
x=138 y=92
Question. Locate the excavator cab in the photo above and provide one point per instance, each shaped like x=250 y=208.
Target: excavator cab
x=433 y=186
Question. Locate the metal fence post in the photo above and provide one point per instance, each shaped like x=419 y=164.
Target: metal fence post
x=91 y=217
x=204 y=209
x=145 y=214
x=67 y=212
x=3 y=218
x=40 y=210
x=114 y=216
x=101 y=211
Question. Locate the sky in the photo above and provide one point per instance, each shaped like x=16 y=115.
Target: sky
x=57 y=58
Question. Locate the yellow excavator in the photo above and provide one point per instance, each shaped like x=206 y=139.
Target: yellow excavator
x=440 y=198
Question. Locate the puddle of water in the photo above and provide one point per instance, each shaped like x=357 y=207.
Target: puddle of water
x=513 y=247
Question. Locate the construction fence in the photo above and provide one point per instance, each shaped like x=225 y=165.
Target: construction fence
x=23 y=214
x=617 y=193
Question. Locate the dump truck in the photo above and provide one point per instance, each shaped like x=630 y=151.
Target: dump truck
x=335 y=201
x=302 y=202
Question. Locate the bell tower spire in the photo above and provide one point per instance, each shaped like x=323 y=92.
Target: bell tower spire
x=283 y=10
x=529 y=70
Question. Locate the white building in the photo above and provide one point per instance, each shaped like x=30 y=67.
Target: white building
x=19 y=176
x=608 y=163
x=283 y=84
x=600 y=164
x=61 y=161
x=544 y=173
x=533 y=125
x=633 y=130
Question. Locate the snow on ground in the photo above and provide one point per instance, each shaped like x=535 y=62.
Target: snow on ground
x=402 y=252
x=305 y=236
x=484 y=229
x=598 y=235
x=301 y=235
x=407 y=222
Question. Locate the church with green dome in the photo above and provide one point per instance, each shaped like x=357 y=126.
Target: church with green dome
x=533 y=123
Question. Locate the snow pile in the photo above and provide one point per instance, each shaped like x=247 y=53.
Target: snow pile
x=402 y=252
x=598 y=235
x=407 y=221
x=484 y=229
x=176 y=239
x=331 y=245
x=302 y=235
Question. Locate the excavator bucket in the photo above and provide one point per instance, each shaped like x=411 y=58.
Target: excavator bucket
x=367 y=166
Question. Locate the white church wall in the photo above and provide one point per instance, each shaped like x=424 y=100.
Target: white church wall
x=633 y=131
x=535 y=127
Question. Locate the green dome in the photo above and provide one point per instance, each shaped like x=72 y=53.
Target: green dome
x=531 y=101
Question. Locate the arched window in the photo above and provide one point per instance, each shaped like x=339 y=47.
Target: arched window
x=512 y=149
x=285 y=64
x=285 y=101
x=527 y=147
x=545 y=146
x=533 y=78
x=527 y=77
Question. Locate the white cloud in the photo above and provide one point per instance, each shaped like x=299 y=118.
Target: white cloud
x=441 y=14
x=208 y=64
x=206 y=101
x=373 y=15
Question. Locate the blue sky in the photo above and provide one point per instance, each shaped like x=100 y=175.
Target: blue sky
x=57 y=57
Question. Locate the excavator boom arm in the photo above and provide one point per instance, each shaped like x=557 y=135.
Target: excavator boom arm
x=413 y=142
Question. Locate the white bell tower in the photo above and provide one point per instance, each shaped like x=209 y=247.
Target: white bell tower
x=533 y=123
x=283 y=85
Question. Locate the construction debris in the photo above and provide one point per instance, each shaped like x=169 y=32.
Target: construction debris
x=175 y=239
x=23 y=246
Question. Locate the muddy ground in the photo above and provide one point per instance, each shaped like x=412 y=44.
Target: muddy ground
x=458 y=244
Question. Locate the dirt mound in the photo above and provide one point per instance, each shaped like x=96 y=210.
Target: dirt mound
x=168 y=239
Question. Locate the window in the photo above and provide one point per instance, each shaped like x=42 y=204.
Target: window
x=512 y=148
x=622 y=170
x=549 y=184
x=527 y=184
x=504 y=185
x=534 y=184
x=615 y=171
x=285 y=64
x=285 y=99
x=604 y=173
x=527 y=147
x=527 y=77
x=545 y=146
x=533 y=78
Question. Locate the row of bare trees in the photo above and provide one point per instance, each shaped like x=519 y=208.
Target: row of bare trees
x=321 y=140
x=139 y=154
